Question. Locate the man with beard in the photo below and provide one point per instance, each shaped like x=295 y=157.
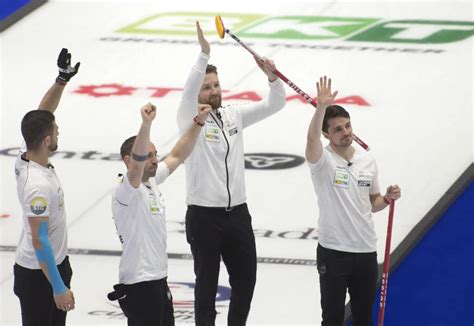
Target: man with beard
x=345 y=180
x=139 y=214
x=218 y=223
x=42 y=271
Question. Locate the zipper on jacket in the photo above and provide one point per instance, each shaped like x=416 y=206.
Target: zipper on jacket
x=226 y=155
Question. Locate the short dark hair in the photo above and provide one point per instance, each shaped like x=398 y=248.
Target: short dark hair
x=211 y=69
x=334 y=111
x=35 y=126
x=126 y=148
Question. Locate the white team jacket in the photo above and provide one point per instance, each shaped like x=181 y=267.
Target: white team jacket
x=215 y=168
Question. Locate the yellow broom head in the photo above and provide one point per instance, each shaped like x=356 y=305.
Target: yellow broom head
x=220 y=27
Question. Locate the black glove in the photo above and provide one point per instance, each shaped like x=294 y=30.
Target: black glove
x=120 y=292
x=66 y=71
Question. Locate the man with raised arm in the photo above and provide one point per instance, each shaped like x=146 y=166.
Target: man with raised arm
x=218 y=222
x=139 y=214
x=345 y=180
x=42 y=271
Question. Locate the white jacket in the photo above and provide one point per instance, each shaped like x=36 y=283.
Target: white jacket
x=215 y=168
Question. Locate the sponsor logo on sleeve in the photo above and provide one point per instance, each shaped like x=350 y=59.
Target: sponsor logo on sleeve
x=38 y=205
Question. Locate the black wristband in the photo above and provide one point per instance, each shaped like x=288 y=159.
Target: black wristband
x=60 y=81
x=196 y=121
x=139 y=158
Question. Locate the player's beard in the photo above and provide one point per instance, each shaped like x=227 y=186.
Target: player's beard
x=346 y=141
x=152 y=170
x=215 y=101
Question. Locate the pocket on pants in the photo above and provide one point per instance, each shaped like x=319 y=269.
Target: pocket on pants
x=19 y=282
x=65 y=271
x=124 y=306
x=169 y=298
x=321 y=261
x=126 y=301
x=189 y=225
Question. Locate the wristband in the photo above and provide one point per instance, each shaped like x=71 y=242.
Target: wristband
x=196 y=121
x=385 y=200
x=140 y=158
x=60 y=81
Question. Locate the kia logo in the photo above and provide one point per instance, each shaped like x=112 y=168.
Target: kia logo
x=272 y=161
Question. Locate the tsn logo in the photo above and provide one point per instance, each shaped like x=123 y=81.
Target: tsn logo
x=307 y=28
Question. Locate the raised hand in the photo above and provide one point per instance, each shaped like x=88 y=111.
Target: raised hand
x=65 y=301
x=66 y=71
x=148 y=112
x=267 y=66
x=203 y=112
x=205 y=47
x=325 y=97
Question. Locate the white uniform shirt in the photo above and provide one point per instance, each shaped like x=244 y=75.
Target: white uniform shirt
x=140 y=219
x=215 y=168
x=343 y=191
x=40 y=194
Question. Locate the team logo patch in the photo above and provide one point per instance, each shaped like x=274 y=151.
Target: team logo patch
x=38 y=205
x=341 y=179
x=212 y=134
x=154 y=206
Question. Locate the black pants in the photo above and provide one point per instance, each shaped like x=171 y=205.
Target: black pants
x=36 y=295
x=340 y=271
x=214 y=233
x=148 y=304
